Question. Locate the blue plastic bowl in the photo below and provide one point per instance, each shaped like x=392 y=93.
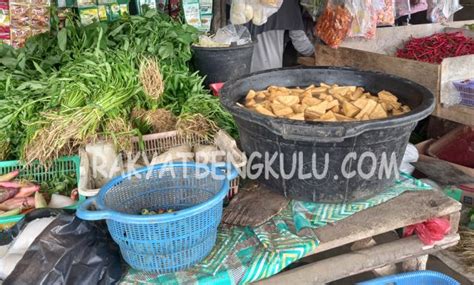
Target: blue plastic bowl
x=424 y=277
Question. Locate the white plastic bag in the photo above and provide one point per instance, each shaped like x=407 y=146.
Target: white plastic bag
x=231 y=33
x=237 y=12
x=364 y=19
x=259 y=17
x=257 y=11
x=440 y=11
x=411 y=155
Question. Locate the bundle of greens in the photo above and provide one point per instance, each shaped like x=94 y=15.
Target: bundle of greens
x=70 y=86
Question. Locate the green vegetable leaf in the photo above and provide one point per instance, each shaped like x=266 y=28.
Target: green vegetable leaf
x=165 y=51
x=62 y=39
x=38 y=68
x=9 y=62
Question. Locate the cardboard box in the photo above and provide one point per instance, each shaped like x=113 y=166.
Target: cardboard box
x=378 y=55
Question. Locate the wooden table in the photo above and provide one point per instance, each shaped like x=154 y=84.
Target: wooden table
x=359 y=230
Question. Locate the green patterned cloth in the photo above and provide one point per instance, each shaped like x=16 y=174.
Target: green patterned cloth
x=243 y=255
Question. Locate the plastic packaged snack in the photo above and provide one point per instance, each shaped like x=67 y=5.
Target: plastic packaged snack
x=35 y=32
x=19 y=14
x=364 y=19
x=385 y=10
x=40 y=2
x=40 y=17
x=19 y=36
x=333 y=25
x=4 y=15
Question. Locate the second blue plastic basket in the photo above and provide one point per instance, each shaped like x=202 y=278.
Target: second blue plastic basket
x=167 y=242
x=424 y=277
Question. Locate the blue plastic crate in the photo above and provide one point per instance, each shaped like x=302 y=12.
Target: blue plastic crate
x=425 y=277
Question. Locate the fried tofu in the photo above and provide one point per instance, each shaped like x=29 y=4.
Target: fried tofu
x=288 y=100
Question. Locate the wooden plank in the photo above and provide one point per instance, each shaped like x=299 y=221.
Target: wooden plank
x=306 y=60
x=454 y=220
x=353 y=263
x=406 y=209
x=423 y=73
x=460 y=114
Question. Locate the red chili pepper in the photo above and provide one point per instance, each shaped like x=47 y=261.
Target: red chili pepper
x=435 y=48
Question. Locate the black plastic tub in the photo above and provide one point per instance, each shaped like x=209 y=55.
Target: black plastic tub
x=346 y=161
x=222 y=64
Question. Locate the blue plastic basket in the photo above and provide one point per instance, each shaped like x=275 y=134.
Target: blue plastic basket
x=424 y=277
x=466 y=91
x=167 y=242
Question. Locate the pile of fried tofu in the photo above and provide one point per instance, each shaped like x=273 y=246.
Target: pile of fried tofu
x=324 y=103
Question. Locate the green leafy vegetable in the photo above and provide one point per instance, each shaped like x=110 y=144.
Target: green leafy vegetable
x=59 y=90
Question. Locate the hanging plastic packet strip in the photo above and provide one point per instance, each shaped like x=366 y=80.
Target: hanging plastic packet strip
x=334 y=23
x=385 y=10
x=364 y=19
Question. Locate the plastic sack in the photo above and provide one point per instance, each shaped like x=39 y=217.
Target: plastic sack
x=440 y=11
x=259 y=17
x=16 y=248
x=69 y=251
x=385 y=10
x=233 y=34
x=334 y=23
x=257 y=11
x=430 y=231
x=238 y=12
x=364 y=19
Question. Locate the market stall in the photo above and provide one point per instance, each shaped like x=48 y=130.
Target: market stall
x=300 y=175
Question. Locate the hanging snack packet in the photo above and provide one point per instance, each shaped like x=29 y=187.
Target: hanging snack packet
x=385 y=10
x=364 y=19
x=333 y=25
